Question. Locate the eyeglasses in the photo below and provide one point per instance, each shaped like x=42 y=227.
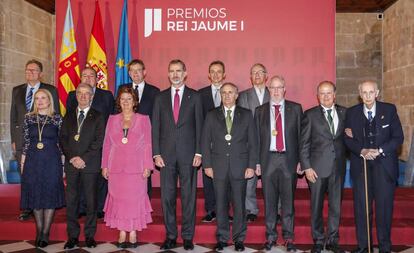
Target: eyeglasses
x=276 y=87
x=31 y=70
x=260 y=73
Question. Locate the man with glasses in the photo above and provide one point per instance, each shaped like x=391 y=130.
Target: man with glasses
x=250 y=99
x=22 y=103
x=278 y=124
x=322 y=157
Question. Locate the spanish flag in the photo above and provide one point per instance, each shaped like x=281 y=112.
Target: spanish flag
x=97 y=55
x=68 y=70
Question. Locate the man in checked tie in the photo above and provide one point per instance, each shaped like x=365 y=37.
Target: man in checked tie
x=22 y=103
x=323 y=161
x=229 y=147
x=177 y=121
x=278 y=124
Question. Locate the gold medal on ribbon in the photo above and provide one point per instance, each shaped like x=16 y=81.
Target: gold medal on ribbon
x=76 y=137
x=40 y=145
x=124 y=140
x=274 y=132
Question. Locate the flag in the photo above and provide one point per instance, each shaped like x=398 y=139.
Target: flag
x=97 y=55
x=68 y=68
x=124 y=51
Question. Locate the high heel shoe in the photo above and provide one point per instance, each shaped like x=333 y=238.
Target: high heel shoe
x=43 y=241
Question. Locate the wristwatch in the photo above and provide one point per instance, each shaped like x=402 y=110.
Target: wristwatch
x=381 y=151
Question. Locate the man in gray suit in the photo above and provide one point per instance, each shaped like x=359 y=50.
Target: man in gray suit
x=22 y=103
x=229 y=157
x=177 y=121
x=250 y=99
x=278 y=124
x=323 y=161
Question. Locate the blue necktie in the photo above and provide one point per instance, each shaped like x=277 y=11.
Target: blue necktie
x=29 y=100
x=370 y=116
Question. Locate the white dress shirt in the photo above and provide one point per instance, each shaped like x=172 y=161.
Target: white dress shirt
x=273 y=116
x=260 y=93
x=141 y=86
x=373 y=110
x=180 y=93
x=334 y=116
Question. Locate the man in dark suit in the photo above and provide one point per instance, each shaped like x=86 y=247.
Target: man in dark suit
x=103 y=102
x=211 y=99
x=250 y=99
x=374 y=132
x=22 y=103
x=278 y=125
x=145 y=92
x=177 y=121
x=322 y=158
x=81 y=138
x=229 y=157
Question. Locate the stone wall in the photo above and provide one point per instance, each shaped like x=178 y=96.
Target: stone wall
x=358 y=53
x=398 y=57
x=26 y=32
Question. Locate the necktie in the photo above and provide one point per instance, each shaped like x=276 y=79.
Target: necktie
x=279 y=135
x=81 y=116
x=176 y=109
x=370 y=118
x=29 y=100
x=217 y=99
x=229 y=122
x=137 y=92
x=330 y=121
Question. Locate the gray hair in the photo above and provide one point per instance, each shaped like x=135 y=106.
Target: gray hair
x=85 y=85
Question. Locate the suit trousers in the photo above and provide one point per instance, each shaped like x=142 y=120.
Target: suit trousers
x=237 y=187
x=74 y=181
x=278 y=182
x=209 y=197
x=187 y=176
x=251 y=200
x=381 y=189
x=333 y=185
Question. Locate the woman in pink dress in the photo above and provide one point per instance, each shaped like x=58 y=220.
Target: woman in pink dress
x=126 y=164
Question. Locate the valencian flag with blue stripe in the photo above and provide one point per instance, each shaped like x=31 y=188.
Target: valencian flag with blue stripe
x=68 y=69
x=124 y=51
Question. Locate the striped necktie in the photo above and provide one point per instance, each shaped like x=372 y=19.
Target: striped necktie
x=29 y=100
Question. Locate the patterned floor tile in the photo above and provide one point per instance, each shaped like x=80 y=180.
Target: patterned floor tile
x=16 y=246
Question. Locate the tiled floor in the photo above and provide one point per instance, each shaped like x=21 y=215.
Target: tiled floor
x=106 y=247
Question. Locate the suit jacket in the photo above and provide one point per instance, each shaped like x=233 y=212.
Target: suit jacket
x=389 y=137
x=103 y=102
x=293 y=117
x=233 y=156
x=147 y=99
x=89 y=146
x=207 y=99
x=248 y=99
x=18 y=110
x=181 y=141
x=320 y=150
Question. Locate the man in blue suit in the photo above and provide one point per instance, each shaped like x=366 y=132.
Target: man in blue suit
x=374 y=132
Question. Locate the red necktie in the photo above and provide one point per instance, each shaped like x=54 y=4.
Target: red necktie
x=279 y=129
x=176 y=105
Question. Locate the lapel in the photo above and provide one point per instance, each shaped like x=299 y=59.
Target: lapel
x=253 y=100
x=184 y=104
x=288 y=119
x=266 y=97
x=221 y=118
x=210 y=98
x=144 y=92
x=379 y=113
x=236 y=121
x=168 y=104
x=341 y=119
x=265 y=124
x=22 y=96
x=87 y=121
x=95 y=101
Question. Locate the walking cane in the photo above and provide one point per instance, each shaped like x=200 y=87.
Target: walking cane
x=366 y=203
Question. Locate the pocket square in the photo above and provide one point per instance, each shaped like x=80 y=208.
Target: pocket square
x=384 y=126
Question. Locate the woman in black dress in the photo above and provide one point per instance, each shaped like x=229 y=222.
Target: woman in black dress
x=42 y=170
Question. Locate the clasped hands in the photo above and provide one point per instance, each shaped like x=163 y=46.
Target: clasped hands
x=78 y=162
x=367 y=153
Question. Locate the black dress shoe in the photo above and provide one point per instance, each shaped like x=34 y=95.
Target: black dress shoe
x=383 y=251
x=42 y=244
x=71 y=243
x=239 y=246
x=133 y=245
x=188 y=245
x=360 y=250
x=290 y=247
x=269 y=244
x=334 y=248
x=100 y=215
x=251 y=217
x=169 y=244
x=317 y=248
x=25 y=215
x=209 y=217
x=90 y=242
x=220 y=246
x=121 y=245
